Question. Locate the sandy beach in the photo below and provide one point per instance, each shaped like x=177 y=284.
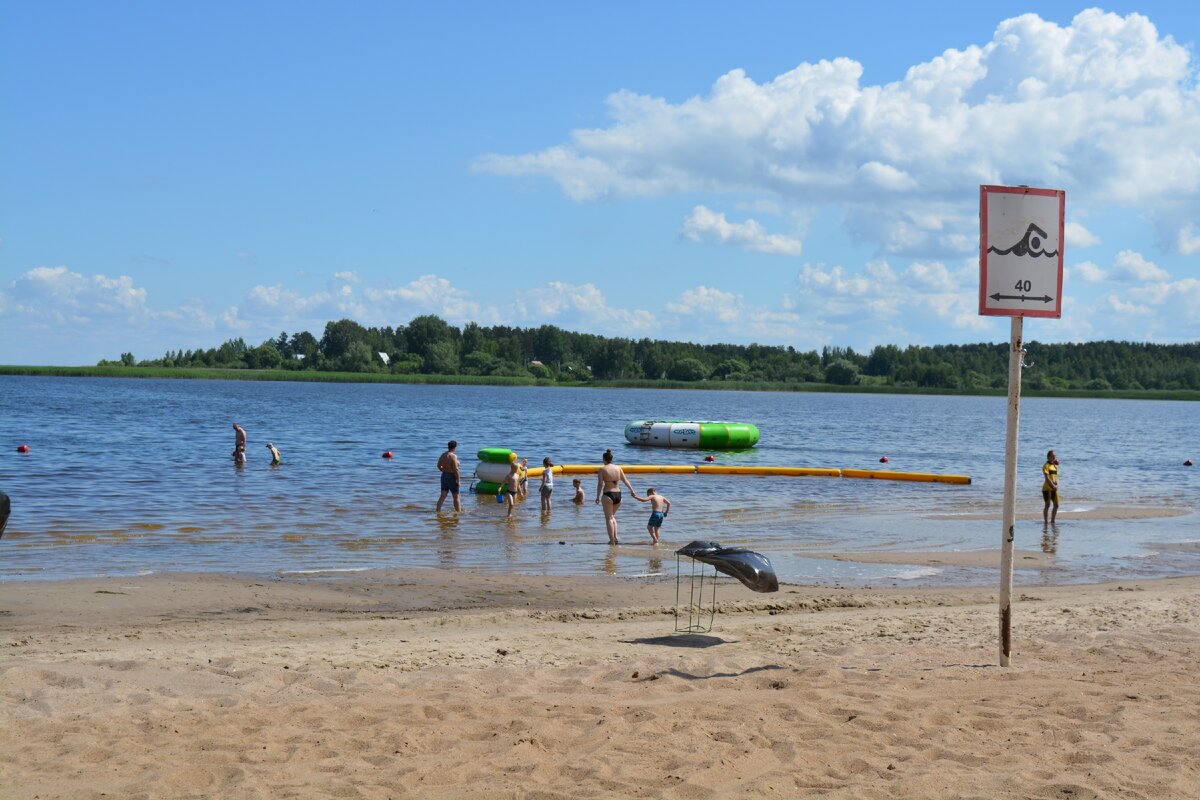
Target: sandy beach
x=460 y=685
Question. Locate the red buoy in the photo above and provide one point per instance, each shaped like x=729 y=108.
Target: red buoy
x=22 y=448
x=883 y=460
x=387 y=453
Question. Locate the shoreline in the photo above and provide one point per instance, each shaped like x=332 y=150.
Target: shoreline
x=315 y=376
x=470 y=685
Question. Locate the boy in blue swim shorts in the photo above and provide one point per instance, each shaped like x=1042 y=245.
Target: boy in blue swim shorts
x=659 y=508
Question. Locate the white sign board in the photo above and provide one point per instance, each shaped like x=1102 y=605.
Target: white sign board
x=1020 y=251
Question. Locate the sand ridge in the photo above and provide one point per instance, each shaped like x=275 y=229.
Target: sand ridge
x=461 y=685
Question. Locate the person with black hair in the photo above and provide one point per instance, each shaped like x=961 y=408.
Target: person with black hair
x=608 y=491
x=451 y=479
x=1050 y=488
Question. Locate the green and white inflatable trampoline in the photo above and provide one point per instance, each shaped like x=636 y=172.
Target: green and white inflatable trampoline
x=694 y=435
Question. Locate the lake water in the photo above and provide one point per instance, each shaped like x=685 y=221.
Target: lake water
x=128 y=477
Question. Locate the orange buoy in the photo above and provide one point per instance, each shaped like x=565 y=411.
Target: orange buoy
x=22 y=448
x=387 y=453
x=883 y=460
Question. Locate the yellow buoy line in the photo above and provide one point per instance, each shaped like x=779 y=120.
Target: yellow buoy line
x=777 y=472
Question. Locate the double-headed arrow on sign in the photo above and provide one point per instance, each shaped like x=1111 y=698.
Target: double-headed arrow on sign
x=1043 y=299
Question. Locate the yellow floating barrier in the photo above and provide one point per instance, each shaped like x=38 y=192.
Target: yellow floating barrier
x=630 y=469
x=536 y=472
x=766 y=472
x=888 y=475
x=661 y=469
x=782 y=472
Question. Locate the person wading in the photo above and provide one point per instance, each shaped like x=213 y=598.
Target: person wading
x=451 y=479
x=608 y=492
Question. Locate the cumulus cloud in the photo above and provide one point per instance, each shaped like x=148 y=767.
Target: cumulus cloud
x=287 y=306
x=1104 y=105
x=880 y=292
x=705 y=225
x=430 y=294
x=47 y=312
x=1132 y=266
x=1079 y=236
x=57 y=294
x=1087 y=272
x=1189 y=240
x=707 y=314
x=580 y=307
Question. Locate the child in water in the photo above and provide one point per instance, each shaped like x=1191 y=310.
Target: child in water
x=512 y=488
x=239 y=454
x=578 y=491
x=659 y=508
x=523 y=484
x=547 y=482
x=274 y=454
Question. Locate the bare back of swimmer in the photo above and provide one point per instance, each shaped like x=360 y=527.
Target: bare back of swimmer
x=608 y=492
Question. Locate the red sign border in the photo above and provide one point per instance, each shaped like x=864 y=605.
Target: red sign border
x=983 y=245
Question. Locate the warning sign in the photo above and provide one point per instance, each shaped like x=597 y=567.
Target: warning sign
x=1020 y=251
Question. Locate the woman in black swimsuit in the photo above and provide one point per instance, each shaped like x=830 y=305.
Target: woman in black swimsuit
x=608 y=489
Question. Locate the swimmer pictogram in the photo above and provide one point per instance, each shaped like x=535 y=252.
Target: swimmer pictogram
x=1030 y=245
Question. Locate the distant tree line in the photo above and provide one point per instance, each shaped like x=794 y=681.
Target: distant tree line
x=430 y=345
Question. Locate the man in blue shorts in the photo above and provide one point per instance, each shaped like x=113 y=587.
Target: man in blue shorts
x=448 y=466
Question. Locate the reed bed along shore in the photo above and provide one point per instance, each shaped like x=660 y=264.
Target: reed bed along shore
x=318 y=376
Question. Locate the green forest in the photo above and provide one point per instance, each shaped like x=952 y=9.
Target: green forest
x=430 y=346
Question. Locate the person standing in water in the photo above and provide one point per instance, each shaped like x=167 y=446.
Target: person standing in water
x=512 y=488
x=451 y=479
x=608 y=486
x=275 y=459
x=547 y=487
x=659 y=508
x=523 y=484
x=1050 y=488
x=239 y=440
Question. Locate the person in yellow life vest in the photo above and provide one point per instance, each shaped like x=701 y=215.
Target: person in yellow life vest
x=1050 y=487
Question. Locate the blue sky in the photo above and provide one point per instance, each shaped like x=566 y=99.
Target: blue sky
x=176 y=174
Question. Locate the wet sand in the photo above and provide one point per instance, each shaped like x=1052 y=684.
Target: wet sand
x=1022 y=559
x=461 y=685
x=1080 y=511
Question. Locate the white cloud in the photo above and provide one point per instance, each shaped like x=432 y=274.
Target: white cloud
x=51 y=313
x=1132 y=266
x=1079 y=236
x=922 y=292
x=57 y=294
x=1087 y=272
x=286 y=306
x=1104 y=105
x=429 y=294
x=580 y=307
x=707 y=314
x=1189 y=241
x=704 y=225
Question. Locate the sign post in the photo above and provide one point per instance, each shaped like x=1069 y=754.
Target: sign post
x=1020 y=275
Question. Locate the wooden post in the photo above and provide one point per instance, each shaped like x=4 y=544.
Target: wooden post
x=1010 y=488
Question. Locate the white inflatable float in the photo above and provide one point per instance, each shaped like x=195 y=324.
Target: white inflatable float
x=694 y=435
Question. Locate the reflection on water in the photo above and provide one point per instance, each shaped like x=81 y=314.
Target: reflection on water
x=127 y=476
x=1050 y=538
